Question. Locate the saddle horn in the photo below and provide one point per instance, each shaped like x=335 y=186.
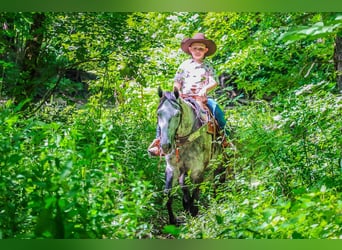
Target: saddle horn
x=160 y=92
x=176 y=92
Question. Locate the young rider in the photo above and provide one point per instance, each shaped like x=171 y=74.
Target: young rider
x=196 y=78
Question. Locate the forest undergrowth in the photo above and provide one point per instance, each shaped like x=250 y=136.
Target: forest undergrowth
x=78 y=99
x=287 y=171
x=84 y=172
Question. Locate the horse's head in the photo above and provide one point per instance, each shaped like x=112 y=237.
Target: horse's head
x=169 y=117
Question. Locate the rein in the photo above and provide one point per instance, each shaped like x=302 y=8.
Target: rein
x=190 y=137
x=194 y=133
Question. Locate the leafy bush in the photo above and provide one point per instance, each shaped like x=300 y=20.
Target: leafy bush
x=76 y=181
x=258 y=214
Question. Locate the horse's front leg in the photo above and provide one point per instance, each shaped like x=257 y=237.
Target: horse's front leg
x=172 y=218
x=169 y=175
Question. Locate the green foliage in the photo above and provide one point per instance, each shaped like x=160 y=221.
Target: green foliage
x=321 y=29
x=264 y=64
x=294 y=144
x=310 y=215
x=65 y=181
x=74 y=164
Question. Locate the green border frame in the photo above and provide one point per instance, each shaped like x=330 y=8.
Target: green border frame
x=172 y=5
x=161 y=6
x=171 y=244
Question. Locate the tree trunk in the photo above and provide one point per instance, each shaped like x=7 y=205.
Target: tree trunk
x=29 y=64
x=338 y=62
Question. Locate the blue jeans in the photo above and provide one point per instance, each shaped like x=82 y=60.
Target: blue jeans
x=218 y=114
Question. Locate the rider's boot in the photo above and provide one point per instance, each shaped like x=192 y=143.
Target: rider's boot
x=225 y=143
x=154 y=148
x=225 y=138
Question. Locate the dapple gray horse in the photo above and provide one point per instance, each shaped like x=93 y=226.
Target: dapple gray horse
x=187 y=146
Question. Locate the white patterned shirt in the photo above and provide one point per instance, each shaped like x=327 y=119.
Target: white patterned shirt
x=193 y=76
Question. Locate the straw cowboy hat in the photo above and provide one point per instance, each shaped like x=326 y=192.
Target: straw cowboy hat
x=198 y=38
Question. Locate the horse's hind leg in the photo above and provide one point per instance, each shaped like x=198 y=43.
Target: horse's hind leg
x=195 y=196
x=219 y=178
x=189 y=201
x=186 y=193
x=220 y=173
x=194 y=199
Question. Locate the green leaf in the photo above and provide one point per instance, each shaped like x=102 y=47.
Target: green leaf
x=171 y=229
x=268 y=213
x=296 y=235
x=219 y=219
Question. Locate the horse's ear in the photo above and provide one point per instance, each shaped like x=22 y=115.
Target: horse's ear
x=176 y=92
x=160 y=92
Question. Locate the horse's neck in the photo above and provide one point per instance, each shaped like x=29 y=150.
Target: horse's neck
x=188 y=120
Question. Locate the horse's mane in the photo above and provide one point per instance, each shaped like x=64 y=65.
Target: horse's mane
x=168 y=95
x=191 y=102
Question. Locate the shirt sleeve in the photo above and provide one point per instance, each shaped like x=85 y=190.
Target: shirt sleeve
x=179 y=76
x=211 y=75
